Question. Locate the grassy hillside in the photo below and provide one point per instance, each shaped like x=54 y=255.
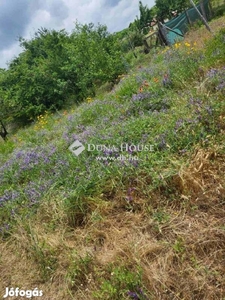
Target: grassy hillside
x=142 y=217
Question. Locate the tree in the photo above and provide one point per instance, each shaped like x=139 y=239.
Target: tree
x=55 y=66
x=6 y=110
x=96 y=55
x=3 y=131
x=146 y=16
x=166 y=7
x=35 y=80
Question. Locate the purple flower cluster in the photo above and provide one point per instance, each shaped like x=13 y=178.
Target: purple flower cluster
x=81 y=133
x=212 y=73
x=70 y=118
x=179 y=124
x=141 y=96
x=219 y=76
x=137 y=295
x=143 y=103
x=42 y=163
x=23 y=160
x=129 y=196
x=166 y=80
x=221 y=86
x=4 y=228
x=9 y=195
x=110 y=152
x=196 y=102
x=34 y=191
x=133 y=295
x=161 y=141
x=200 y=109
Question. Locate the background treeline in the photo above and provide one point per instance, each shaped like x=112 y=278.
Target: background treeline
x=56 y=68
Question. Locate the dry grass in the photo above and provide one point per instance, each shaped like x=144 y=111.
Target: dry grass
x=193 y=35
x=180 y=251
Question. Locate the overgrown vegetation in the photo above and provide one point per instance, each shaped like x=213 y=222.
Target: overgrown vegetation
x=55 y=69
x=127 y=223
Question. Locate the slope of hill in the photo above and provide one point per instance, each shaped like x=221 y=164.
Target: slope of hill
x=139 y=214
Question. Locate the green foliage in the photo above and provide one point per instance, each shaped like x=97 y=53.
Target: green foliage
x=164 y=8
x=35 y=80
x=95 y=54
x=146 y=16
x=123 y=284
x=76 y=210
x=161 y=216
x=42 y=254
x=7 y=108
x=54 y=66
x=187 y=64
x=218 y=8
x=142 y=23
x=215 y=50
x=79 y=269
x=179 y=246
x=7 y=148
x=134 y=38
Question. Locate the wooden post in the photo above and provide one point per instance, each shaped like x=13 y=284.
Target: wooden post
x=203 y=9
x=146 y=46
x=163 y=34
x=201 y=16
x=187 y=17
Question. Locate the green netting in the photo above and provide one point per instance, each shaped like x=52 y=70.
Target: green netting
x=172 y=37
x=181 y=23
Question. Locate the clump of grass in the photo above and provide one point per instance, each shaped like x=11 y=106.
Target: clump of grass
x=80 y=271
x=215 y=52
x=121 y=284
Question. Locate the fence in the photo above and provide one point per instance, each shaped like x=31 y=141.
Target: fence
x=177 y=27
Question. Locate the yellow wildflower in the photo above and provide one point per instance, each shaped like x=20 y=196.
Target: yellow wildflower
x=89 y=99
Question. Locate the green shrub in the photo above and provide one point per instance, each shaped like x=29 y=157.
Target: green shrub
x=215 y=49
x=123 y=284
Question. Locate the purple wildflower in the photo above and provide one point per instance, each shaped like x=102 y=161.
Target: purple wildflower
x=9 y=195
x=133 y=295
x=209 y=110
x=166 y=80
x=221 y=86
x=141 y=96
x=179 y=124
x=212 y=73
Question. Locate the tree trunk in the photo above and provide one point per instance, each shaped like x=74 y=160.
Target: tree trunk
x=187 y=17
x=3 y=132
